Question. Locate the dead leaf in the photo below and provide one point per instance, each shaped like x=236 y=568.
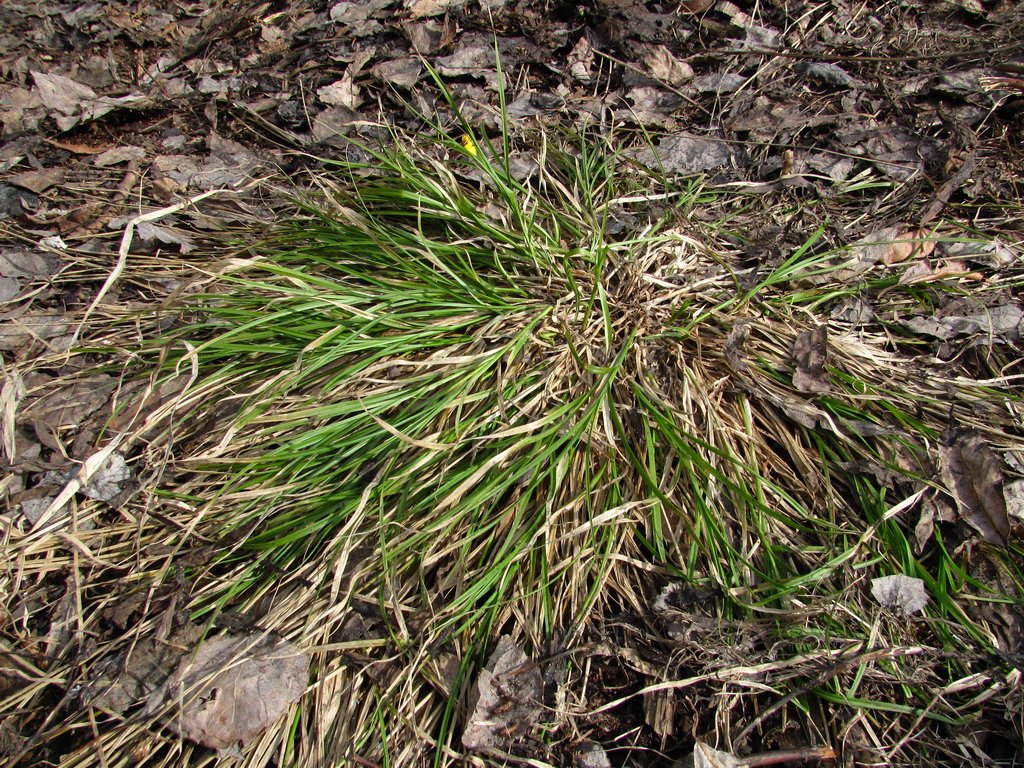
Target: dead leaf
x=1001 y=322
x=685 y=153
x=75 y=102
x=705 y=756
x=126 y=678
x=401 y=73
x=63 y=620
x=11 y=395
x=38 y=181
x=900 y=593
x=667 y=68
x=972 y=473
x=232 y=689
x=507 y=699
x=734 y=346
x=933 y=508
x=590 y=754
x=831 y=75
x=342 y=93
x=76 y=148
x=1014 y=495
x=112 y=483
x=9 y=289
x=475 y=59
x=695 y=6
x=925 y=272
x=21 y=262
x=421 y=9
x=428 y=37
x=915 y=243
x=16 y=202
x=360 y=18
x=63 y=94
x=581 y=59
x=119 y=155
x=17 y=329
x=810 y=352
x=149 y=232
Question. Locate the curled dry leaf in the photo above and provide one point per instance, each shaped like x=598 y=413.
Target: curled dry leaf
x=900 y=593
x=232 y=690
x=972 y=473
x=915 y=243
x=342 y=93
x=667 y=68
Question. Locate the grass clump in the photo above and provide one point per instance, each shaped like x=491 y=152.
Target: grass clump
x=462 y=396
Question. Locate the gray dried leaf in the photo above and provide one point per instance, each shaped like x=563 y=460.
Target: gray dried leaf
x=20 y=262
x=421 y=9
x=149 y=232
x=33 y=509
x=69 y=402
x=426 y=37
x=810 y=352
x=342 y=93
x=62 y=94
x=581 y=59
x=1014 y=495
x=332 y=124
x=855 y=311
x=663 y=66
x=972 y=473
x=900 y=593
x=360 y=17
x=474 y=59
x=592 y=755
x=831 y=75
x=836 y=167
x=74 y=102
x=734 y=346
x=400 y=73
x=992 y=253
x=232 y=690
x=1001 y=322
x=705 y=756
x=9 y=288
x=38 y=181
x=719 y=82
x=507 y=699
x=11 y=395
x=118 y=155
x=112 y=480
x=685 y=153
x=17 y=331
x=127 y=678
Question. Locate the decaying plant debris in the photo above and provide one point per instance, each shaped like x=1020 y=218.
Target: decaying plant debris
x=614 y=384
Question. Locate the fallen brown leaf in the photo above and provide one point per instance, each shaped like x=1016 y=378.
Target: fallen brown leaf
x=914 y=243
x=972 y=473
x=810 y=351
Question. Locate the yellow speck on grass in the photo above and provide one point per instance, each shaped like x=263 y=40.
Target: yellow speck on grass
x=469 y=144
